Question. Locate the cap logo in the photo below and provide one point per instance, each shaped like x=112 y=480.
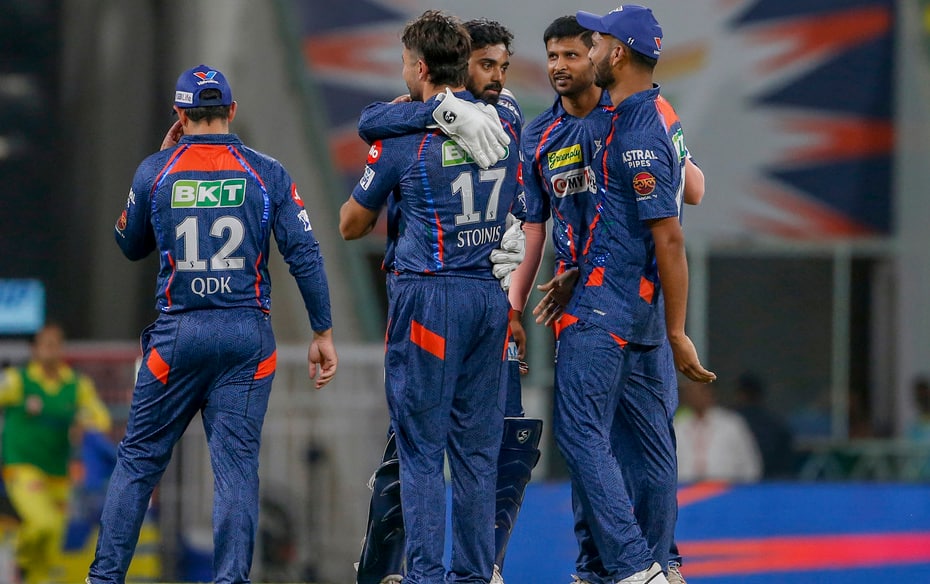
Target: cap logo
x=205 y=76
x=658 y=42
x=183 y=97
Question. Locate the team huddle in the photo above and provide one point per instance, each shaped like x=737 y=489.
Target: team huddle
x=466 y=189
x=607 y=163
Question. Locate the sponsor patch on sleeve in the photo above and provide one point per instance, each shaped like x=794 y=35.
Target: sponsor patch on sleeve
x=644 y=184
x=121 y=222
x=305 y=219
x=374 y=153
x=296 y=196
x=366 y=179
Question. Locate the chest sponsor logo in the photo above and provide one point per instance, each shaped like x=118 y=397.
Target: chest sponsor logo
x=208 y=193
x=644 y=184
x=639 y=158
x=574 y=181
x=565 y=156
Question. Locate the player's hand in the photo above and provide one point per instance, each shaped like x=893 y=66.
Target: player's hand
x=686 y=360
x=173 y=136
x=558 y=293
x=519 y=336
x=475 y=127
x=508 y=256
x=405 y=98
x=321 y=358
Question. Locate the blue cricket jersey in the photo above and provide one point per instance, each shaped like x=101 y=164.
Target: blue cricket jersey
x=210 y=206
x=559 y=150
x=445 y=214
x=640 y=175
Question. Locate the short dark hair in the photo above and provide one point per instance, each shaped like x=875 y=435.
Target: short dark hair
x=484 y=33
x=641 y=60
x=444 y=45
x=566 y=27
x=208 y=113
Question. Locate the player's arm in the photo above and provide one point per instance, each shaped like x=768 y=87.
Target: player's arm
x=356 y=221
x=294 y=236
x=92 y=413
x=476 y=127
x=673 y=273
x=386 y=164
x=694 y=182
x=11 y=387
x=133 y=230
x=384 y=119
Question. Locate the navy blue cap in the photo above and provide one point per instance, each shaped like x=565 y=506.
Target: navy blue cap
x=193 y=81
x=631 y=24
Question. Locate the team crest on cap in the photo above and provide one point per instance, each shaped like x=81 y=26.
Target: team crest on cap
x=644 y=183
x=658 y=43
x=205 y=76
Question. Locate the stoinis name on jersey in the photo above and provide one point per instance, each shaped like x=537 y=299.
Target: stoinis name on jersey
x=208 y=193
x=565 y=156
x=639 y=158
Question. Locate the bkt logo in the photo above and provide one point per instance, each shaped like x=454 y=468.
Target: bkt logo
x=208 y=193
x=574 y=181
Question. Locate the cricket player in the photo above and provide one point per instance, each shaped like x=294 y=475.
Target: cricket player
x=487 y=76
x=209 y=206
x=447 y=313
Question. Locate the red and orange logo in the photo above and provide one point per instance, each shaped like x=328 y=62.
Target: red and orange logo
x=296 y=196
x=374 y=153
x=644 y=183
x=121 y=222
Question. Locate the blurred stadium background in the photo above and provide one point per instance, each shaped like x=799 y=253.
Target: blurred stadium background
x=809 y=259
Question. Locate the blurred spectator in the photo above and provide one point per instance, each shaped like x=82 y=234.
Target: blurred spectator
x=919 y=430
x=714 y=443
x=45 y=406
x=772 y=434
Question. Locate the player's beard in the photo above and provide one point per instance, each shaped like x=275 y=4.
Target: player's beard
x=603 y=73
x=483 y=93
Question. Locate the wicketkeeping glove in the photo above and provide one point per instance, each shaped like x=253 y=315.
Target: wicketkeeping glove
x=508 y=256
x=476 y=127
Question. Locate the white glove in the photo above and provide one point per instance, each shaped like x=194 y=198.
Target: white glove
x=508 y=256
x=476 y=127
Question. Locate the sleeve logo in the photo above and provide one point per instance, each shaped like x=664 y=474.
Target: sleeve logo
x=367 y=178
x=296 y=196
x=374 y=153
x=644 y=183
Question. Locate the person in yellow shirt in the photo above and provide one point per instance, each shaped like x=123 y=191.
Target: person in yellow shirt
x=42 y=404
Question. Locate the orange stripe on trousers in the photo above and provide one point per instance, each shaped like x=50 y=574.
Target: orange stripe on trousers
x=267 y=366
x=158 y=366
x=427 y=340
